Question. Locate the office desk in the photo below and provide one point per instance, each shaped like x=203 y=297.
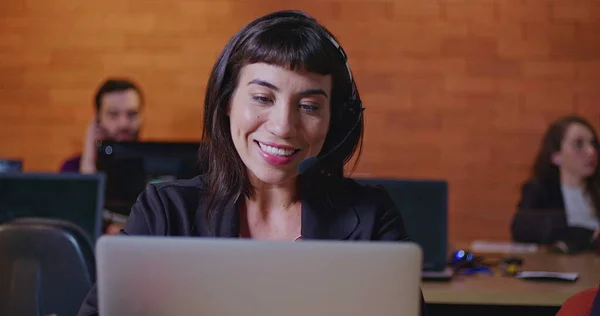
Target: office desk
x=482 y=289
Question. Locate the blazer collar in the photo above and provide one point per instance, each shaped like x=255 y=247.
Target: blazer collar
x=223 y=223
x=327 y=216
x=324 y=216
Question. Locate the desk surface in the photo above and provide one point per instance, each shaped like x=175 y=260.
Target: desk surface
x=482 y=289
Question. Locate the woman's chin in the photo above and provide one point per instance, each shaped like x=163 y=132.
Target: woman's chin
x=269 y=176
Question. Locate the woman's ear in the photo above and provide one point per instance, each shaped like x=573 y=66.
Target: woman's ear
x=228 y=110
x=556 y=159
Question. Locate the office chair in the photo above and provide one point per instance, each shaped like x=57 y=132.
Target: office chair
x=46 y=267
x=584 y=303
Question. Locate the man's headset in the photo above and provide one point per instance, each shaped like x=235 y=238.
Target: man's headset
x=353 y=108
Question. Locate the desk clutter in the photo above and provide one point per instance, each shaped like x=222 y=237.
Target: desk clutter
x=540 y=279
x=466 y=263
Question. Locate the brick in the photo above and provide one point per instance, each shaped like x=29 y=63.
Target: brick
x=11 y=41
x=416 y=9
x=11 y=112
x=378 y=100
x=587 y=104
x=423 y=154
x=154 y=43
x=143 y=23
x=445 y=28
x=69 y=8
x=391 y=39
x=418 y=83
x=461 y=1
x=550 y=31
x=588 y=69
x=410 y=120
x=478 y=115
x=440 y=100
x=461 y=84
x=547 y=105
x=575 y=49
x=549 y=69
x=513 y=11
x=44 y=114
x=88 y=58
x=415 y=66
x=470 y=11
x=366 y=11
x=79 y=40
x=532 y=85
x=495 y=29
x=523 y=48
x=493 y=101
x=377 y=82
x=70 y=100
x=517 y=121
x=588 y=32
x=576 y=11
x=11 y=8
x=584 y=85
x=456 y=47
x=411 y=43
x=44 y=78
x=493 y=67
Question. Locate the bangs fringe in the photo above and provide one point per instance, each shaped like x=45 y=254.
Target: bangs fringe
x=296 y=48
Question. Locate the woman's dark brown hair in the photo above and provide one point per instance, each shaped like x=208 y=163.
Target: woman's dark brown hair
x=289 y=39
x=545 y=170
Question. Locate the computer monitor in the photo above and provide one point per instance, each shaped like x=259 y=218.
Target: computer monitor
x=130 y=166
x=424 y=208
x=10 y=165
x=76 y=198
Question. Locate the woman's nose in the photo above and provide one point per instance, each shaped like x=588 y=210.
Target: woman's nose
x=283 y=120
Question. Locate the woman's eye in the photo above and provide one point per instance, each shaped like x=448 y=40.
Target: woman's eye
x=261 y=99
x=309 y=107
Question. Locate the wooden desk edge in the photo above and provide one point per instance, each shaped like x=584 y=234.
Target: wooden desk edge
x=493 y=298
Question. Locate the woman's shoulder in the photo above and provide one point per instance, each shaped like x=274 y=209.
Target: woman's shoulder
x=365 y=193
x=373 y=204
x=187 y=192
x=534 y=185
x=366 y=200
x=166 y=208
x=180 y=187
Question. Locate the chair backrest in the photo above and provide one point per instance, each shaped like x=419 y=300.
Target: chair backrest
x=596 y=305
x=46 y=267
x=584 y=303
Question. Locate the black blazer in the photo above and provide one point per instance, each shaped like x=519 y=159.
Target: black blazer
x=541 y=217
x=345 y=212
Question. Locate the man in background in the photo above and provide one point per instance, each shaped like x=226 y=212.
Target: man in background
x=118 y=104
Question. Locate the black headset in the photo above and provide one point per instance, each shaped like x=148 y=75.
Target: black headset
x=354 y=103
x=353 y=107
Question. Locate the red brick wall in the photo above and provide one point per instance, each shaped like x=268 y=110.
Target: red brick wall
x=454 y=89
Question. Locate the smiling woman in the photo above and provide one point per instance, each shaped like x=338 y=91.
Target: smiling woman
x=280 y=94
x=278 y=120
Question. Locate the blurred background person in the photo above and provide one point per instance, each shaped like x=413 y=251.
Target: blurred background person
x=118 y=105
x=560 y=204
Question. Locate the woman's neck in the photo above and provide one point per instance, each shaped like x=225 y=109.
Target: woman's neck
x=571 y=180
x=273 y=212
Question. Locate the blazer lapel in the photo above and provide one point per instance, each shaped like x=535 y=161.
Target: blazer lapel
x=223 y=223
x=324 y=216
x=327 y=217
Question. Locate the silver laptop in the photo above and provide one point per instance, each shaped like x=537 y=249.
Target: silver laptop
x=232 y=277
